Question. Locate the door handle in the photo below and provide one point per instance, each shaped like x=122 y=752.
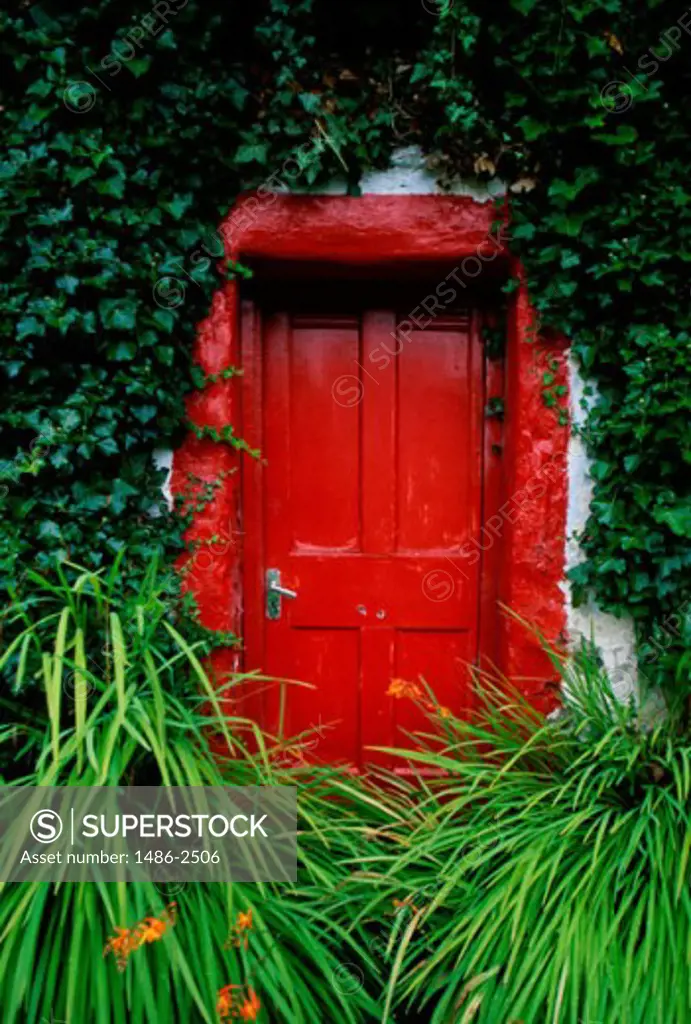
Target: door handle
x=274 y=593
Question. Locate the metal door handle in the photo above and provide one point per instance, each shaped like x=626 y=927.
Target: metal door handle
x=274 y=593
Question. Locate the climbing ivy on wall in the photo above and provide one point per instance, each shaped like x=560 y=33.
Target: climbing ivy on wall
x=582 y=108
x=129 y=128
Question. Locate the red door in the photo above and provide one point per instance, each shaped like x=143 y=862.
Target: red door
x=370 y=485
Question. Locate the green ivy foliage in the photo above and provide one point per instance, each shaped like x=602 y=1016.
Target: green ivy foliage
x=129 y=129
x=582 y=108
x=121 y=156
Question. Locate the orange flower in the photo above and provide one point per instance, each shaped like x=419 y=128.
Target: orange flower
x=403 y=688
x=151 y=929
x=128 y=940
x=251 y=1006
x=242 y=925
x=444 y=713
x=121 y=945
x=236 y=1003
x=225 y=1001
x=244 y=921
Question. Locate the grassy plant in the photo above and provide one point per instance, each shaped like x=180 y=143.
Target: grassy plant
x=128 y=702
x=545 y=877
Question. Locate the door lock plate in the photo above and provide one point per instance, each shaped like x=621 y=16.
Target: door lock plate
x=274 y=593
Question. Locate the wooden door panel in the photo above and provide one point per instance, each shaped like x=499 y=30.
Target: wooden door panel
x=324 y=437
x=331 y=659
x=441 y=658
x=434 y=507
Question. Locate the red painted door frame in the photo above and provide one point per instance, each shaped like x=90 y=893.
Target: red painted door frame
x=524 y=530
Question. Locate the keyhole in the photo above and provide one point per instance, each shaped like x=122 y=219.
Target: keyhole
x=381 y=614
x=361 y=609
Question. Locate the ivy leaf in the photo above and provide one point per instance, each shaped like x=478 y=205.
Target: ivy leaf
x=531 y=128
x=569 y=190
x=678 y=519
x=123 y=352
x=49 y=530
x=29 y=326
x=108 y=446
x=114 y=186
x=34 y=116
x=165 y=354
x=119 y=314
x=70 y=420
x=139 y=66
x=120 y=492
x=653 y=278
x=311 y=102
x=56 y=215
x=624 y=136
x=615 y=565
x=144 y=413
x=569 y=224
x=252 y=151
x=178 y=206
x=599 y=469
x=165 y=319
x=526 y=231
x=75 y=175
x=67 y=283
x=41 y=87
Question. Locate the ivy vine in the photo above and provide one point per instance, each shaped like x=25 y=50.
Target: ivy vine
x=128 y=131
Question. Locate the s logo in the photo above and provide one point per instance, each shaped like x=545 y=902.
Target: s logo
x=46 y=826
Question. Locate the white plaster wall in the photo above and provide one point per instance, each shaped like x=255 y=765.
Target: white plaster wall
x=408 y=175
x=613 y=636
x=163 y=459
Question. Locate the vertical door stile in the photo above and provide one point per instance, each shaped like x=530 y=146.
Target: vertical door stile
x=378 y=523
x=250 y=701
x=475 y=469
x=492 y=499
x=277 y=527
